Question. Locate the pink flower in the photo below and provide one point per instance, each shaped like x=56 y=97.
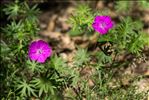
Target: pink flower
x=102 y=24
x=39 y=51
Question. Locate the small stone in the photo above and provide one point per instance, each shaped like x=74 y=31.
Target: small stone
x=90 y=83
x=64 y=56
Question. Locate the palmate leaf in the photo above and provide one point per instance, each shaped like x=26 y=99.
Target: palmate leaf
x=34 y=66
x=83 y=9
x=75 y=32
x=43 y=85
x=25 y=89
x=31 y=27
x=13 y=28
x=81 y=20
x=107 y=37
x=21 y=9
x=128 y=36
x=30 y=12
x=12 y=9
x=5 y=50
x=81 y=57
x=57 y=62
x=59 y=65
x=127 y=26
x=123 y=6
x=75 y=75
x=104 y=58
x=137 y=44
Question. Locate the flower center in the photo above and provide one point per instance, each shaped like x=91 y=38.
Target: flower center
x=39 y=51
x=102 y=25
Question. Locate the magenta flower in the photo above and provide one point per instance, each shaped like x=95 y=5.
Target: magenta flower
x=102 y=24
x=39 y=51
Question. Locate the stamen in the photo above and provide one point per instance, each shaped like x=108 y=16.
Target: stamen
x=39 y=51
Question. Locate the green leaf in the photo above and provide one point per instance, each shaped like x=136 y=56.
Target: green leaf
x=34 y=66
x=30 y=13
x=124 y=6
x=81 y=20
x=25 y=89
x=104 y=58
x=144 y=4
x=59 y=65
x=43 y=85
x=81 y=57
x=12 y=9
x=75 y=32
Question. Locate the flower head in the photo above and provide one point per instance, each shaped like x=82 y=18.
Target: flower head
x=102 y=24
x=39 y=51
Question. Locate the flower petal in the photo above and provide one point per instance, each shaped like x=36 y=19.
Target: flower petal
x=35 y=47
x=102 y=24
x=33 y=56
x=41 y=59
